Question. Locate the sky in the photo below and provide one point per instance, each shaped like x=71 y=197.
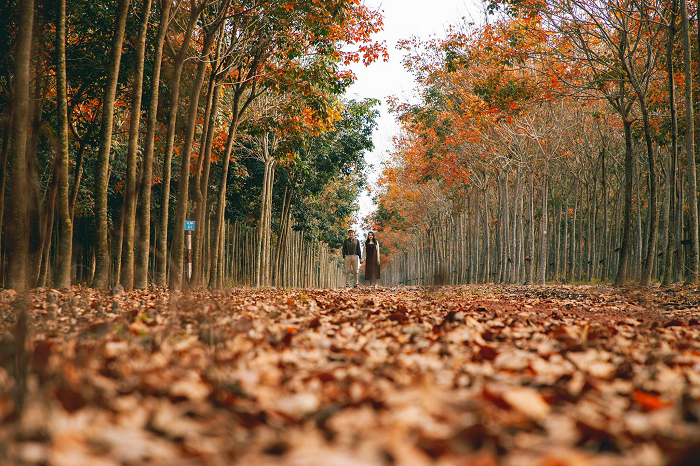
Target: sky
x=403 y=19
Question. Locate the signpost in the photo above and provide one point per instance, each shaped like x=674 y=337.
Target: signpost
x=189 y=228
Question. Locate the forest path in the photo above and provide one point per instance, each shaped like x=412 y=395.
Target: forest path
x=570 y=375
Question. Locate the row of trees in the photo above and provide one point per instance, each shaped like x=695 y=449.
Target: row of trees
x=99 y=99
x=554 y=127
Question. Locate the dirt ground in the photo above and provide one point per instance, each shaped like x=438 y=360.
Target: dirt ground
x=471 y=375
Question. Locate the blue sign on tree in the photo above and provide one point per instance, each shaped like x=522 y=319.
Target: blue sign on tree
x=189 y=225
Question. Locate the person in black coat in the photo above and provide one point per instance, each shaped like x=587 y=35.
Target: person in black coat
x=372 y=258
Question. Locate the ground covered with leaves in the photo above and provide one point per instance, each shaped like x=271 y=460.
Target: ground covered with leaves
x=455 y=375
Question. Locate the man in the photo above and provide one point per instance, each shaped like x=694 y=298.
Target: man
x=352 y=253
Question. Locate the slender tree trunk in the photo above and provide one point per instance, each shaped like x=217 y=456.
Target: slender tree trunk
x=622 y=266
x=593 y=258
x=666 y=229
x=117 y=236
x=606 y=246
x=652 y=225
x=127 y=270
x=263 y=226
x=47 y=219
x=543 y=228
x=162 y=241
x=37 y=209
x=285 y=222
x=17 y=239
x=673 y=162
x=557 y=244
x=477 y=239
x=202 y=187
x=62 y=276
x=144 y=241
x=487 y=241
x=198 y=256
x=639 y=239
x=221 y=201
x=101 y=277
x=571 y=269
x=178 y=246
x=521 y=238
x=77 y=178
x=692 y=266
x=45 y=269
x=7 y=128
x=530 y=266
x=503 y=223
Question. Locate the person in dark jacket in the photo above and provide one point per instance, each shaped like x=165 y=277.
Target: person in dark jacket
x=372 y=259
x=352 y=253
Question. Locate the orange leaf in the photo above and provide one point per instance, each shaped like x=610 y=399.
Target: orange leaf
x=649 y=400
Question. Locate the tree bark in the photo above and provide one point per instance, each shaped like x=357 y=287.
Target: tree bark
x=285 y=224
x=179 y=62
x=7 y=129
x=221 y=202
x=202 y=186
x=178 y=246
x=694 y=258
x=543 y=227
x=62 y=276
x=621 y=277
x=101 y=277
x=530 y=265
x=17 y=239
x=652 y=225
x=144 y=241
x=671 y=177
x=487 y=231
x=605 y=246
x=263 y=244
x=127 y=269
x=571 y=268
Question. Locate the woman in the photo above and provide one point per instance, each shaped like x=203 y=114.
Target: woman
x=372 y=273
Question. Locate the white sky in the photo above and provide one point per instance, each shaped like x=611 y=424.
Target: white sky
x=403 y=19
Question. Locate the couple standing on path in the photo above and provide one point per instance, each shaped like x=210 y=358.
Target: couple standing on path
x=352 y=253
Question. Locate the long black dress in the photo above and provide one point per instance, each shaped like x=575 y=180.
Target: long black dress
x=372 y=271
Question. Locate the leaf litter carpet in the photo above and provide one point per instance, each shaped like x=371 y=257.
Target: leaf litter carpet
x=476 y=375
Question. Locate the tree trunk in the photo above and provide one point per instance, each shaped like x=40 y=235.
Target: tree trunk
x=202 y=185
x=670 y=203
x=592 y=236
x=101 y=277
x=605 y=246
x=263 y=245
x=77 y=178
x=621 y=277
x=178 y=246
x=530 y=266
x=45 y=268
x=162 y=241
x=47 y=218
x=144 y=242
x=692 y=266
x=62 y=277
x=127 y=270
x=571 y=269
x=7 y=128
x=221 y=201
x=285 y=223
x=652 y=225
x=487 y=241
x=17 y=239
x=543 y=227
x=37 y=209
